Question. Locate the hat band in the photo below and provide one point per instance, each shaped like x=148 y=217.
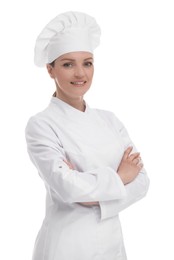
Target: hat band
x=71 y=41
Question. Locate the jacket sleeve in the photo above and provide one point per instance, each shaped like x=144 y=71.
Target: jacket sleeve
x=135 y=190
x=47 y=154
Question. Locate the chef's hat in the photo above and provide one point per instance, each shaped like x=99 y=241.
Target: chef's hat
x=67 y=32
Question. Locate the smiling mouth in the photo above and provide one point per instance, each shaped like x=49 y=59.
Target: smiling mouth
x=78 y=83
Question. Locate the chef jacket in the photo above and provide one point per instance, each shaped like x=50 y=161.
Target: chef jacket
x=93 y=142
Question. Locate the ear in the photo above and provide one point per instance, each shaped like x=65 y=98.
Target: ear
x=50 y=70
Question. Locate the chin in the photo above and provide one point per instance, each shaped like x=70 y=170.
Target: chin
x=80 y=91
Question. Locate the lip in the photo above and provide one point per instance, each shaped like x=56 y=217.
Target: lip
x=78 y=83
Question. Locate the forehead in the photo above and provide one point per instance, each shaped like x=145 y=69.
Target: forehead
x=79 y=55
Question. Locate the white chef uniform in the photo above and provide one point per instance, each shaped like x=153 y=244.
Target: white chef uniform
x=94 y=142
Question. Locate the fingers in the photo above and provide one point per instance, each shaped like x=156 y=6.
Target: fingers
x=69 y=164
x=127 y=152
x=95 y=203
x=136 y=160
x=134 y=156
x=140 y=165
x=127 y=155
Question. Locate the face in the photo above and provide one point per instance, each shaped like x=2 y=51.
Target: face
x=73 y=73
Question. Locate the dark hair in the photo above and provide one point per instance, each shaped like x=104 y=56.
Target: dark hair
x=52 y=63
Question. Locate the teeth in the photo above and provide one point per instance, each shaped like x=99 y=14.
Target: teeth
x=78 y=82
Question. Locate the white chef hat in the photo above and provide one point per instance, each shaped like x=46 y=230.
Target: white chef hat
x=67 y=32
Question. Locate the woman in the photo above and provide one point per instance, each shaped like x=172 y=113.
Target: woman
x=85 y=157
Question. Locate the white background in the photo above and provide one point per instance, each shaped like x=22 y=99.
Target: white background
x=134 y=78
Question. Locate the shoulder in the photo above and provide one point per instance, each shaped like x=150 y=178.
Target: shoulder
x=40 y=122
x=38 y=117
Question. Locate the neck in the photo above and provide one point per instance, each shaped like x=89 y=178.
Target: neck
x=77 y=103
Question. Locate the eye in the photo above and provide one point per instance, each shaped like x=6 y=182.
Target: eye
x=68 y=65
x=88 y=64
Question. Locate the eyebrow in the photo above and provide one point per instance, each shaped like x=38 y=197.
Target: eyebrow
x=68 y=59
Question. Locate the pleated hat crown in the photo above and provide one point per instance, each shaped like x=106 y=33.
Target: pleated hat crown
x=67 y=32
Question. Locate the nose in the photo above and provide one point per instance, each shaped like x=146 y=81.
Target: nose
x=79 y=72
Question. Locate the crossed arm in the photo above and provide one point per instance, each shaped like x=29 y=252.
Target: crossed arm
x=128 y=170
x=112 y=189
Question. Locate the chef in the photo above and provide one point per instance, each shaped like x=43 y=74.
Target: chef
x=90 y=167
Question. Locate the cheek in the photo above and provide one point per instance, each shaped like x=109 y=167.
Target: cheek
x=90 y=74
x=61 y=77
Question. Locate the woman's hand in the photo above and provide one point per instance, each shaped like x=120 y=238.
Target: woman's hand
x=93 y=203
x=130 y=166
